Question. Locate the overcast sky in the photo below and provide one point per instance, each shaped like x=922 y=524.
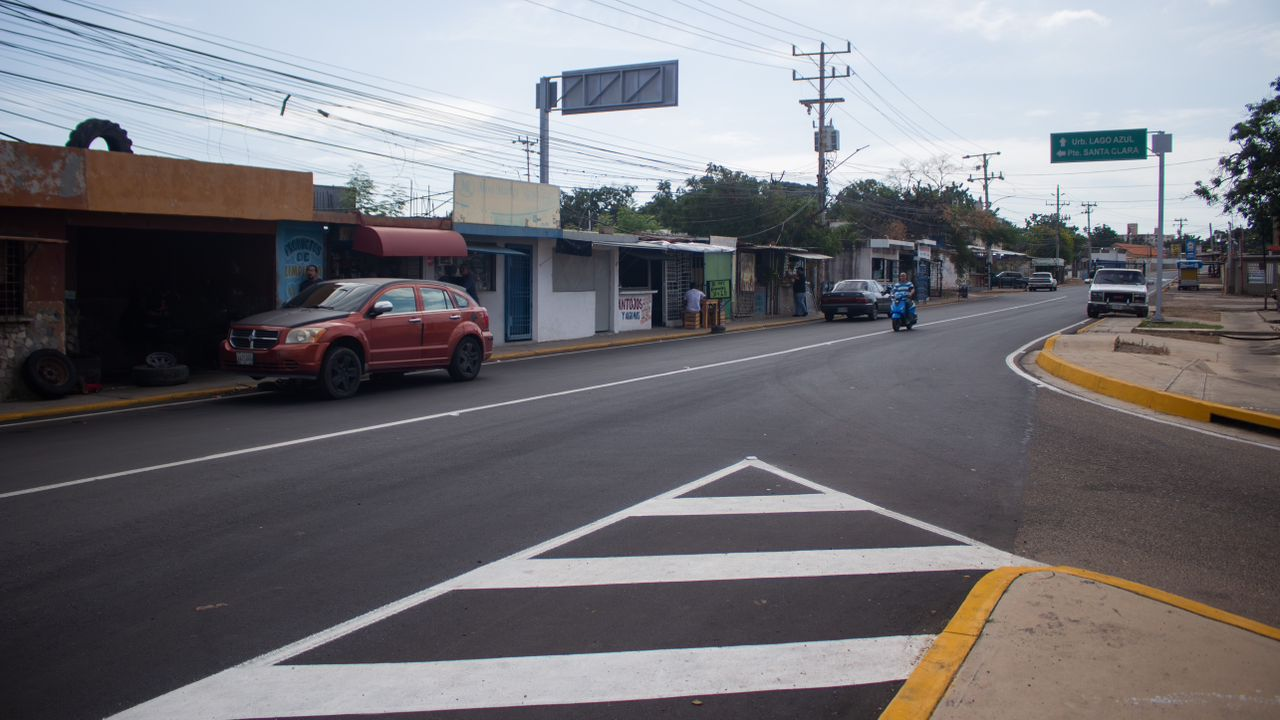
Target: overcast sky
x=416 y=90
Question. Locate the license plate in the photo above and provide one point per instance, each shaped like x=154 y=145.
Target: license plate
x=842 y=309
x=244 y=358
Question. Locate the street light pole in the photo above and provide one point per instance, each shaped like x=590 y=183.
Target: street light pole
x=1161 y=144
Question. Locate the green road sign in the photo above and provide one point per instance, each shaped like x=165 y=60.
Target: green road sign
x=1098 y=145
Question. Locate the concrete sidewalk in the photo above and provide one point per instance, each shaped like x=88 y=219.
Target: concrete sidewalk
x=1230 y=374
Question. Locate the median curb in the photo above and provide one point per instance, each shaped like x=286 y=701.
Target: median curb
x=928 y=683
x=1158 y=400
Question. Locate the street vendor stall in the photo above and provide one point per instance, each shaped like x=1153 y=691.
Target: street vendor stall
x=1189 y=274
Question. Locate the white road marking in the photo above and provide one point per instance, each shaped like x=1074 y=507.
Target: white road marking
x=369 y=688
x=268 y=687
x=479 y=408
x=582 y=572
x=1011 y=361
x=815 y=502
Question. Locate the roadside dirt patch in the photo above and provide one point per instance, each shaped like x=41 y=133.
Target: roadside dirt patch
x=1139 y=347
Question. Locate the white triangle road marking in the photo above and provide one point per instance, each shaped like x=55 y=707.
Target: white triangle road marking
x=268 y=686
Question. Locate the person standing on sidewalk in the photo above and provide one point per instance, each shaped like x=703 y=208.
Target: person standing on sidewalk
x=799 y=290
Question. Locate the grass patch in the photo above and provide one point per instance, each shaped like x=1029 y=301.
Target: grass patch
x=1178 y=325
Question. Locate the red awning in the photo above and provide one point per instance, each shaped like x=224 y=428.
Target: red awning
x=409 y=242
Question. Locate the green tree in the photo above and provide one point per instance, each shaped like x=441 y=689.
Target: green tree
x=1105 y=236
x=589 y=208
x=1248 y=180
x=361 y=195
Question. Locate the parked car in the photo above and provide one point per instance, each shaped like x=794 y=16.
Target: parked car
x=1009 y=279
x=1041 y=281
x=855 y=298
x=1117 y=290
x=337 y=332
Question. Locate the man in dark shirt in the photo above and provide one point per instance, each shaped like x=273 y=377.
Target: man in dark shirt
x=312 y=277
x=802 y=300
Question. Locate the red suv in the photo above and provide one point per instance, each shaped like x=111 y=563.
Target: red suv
x=338 y=331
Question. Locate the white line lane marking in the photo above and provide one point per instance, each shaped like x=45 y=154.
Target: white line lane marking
x=1011 y=361
x=744 y=505
x=583 y=572
x=324 y=690
x=478 y=408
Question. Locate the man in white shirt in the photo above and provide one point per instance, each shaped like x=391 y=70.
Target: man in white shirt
x=693 y=299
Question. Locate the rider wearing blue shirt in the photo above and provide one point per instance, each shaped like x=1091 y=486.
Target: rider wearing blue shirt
x=904 y=289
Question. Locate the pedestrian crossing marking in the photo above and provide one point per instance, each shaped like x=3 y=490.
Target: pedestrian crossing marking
x=269 y=686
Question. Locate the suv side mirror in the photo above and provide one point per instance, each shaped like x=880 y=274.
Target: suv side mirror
x=380 y=307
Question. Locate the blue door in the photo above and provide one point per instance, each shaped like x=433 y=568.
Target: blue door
x=518 y=306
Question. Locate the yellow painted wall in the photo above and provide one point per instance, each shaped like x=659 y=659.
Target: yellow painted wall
x=45 y=176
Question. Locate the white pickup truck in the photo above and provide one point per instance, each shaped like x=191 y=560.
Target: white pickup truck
x=1118 y=290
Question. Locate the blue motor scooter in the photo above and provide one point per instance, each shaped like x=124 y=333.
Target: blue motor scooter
x=902 y=311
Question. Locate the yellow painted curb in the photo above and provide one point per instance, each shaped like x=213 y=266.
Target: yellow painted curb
x=928 y=683
x=125 y=403
x=1158 y=400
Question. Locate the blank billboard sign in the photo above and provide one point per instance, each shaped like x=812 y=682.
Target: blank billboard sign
x=624 y=87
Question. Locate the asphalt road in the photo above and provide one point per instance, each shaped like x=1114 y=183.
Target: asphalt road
x=171 y=544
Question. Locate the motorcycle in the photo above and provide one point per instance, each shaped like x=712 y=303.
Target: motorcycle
x=902 y=311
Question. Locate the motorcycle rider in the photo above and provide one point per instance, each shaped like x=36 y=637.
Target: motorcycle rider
x=905 y=290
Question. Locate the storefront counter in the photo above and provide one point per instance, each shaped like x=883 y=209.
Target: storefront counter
x=634 y=311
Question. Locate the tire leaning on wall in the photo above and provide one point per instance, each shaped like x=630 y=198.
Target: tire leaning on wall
x=50 y=373
x=86 y=132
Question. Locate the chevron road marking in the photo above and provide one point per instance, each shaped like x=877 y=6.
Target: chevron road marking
x=269 y=686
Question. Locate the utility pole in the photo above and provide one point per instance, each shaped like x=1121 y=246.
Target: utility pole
x=1088 y=232
x=1057 y=222
x=825 y=140
x=987 y=177
x=528 y=152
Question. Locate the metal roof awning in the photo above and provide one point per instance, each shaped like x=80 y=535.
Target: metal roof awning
x=810 y=255
x=408 y=242
x=481 y=250
x=684 y=246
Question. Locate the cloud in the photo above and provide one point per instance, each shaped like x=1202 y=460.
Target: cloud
x=982 y=19
x=1062 y=18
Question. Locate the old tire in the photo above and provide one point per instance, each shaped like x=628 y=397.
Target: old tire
x=50 y=373
x=153 y=376
x=86 y=132
x=340 y=373
x=466 y=361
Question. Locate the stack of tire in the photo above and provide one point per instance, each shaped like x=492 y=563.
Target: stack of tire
x=160 y=369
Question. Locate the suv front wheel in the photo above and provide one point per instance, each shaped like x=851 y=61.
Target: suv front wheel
x=340 y=373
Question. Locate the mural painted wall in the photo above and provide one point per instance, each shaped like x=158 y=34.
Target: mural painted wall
x=297 y=246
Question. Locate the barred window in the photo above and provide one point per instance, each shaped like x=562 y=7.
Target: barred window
x=12 y=278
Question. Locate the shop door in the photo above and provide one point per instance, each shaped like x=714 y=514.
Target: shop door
x=604 y=291
x=518 y=305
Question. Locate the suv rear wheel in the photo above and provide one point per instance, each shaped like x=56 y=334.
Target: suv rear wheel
x=340 y=373
x=467 y=358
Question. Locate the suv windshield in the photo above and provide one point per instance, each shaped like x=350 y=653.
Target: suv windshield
x=1119 y=277
x=348 y=296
